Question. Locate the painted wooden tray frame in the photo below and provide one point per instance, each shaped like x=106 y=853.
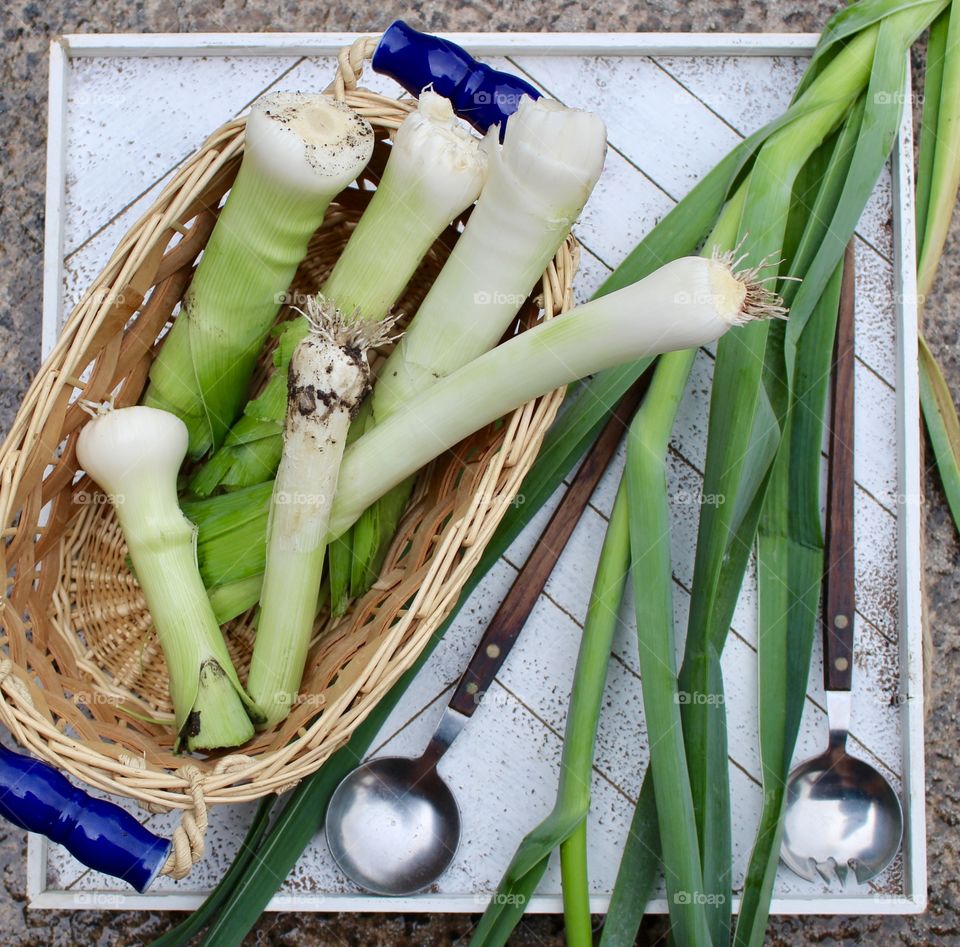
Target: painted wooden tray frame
x=55 y=882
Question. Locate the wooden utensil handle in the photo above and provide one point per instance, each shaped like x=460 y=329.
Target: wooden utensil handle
x=839 y=599
x=511 y=616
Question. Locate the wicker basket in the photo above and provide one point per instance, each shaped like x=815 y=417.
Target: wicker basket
x=82 y=674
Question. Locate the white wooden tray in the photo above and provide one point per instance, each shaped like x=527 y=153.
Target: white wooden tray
x=126 y=110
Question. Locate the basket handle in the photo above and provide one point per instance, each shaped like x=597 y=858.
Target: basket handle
x=38 y=798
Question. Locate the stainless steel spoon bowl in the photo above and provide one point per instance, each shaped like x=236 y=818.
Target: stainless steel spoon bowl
x=841 y=816
x=393 y=824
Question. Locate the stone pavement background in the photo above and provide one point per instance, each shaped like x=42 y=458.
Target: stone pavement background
x=27 y=28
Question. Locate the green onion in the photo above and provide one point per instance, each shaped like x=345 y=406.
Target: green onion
x=433 y=173
x=329 y=375
x=134 y=455
x=300 y=151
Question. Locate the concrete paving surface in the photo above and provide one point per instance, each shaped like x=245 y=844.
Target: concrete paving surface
x=28 y=27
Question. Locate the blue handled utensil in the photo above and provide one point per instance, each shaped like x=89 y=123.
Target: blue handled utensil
x=480 y=95
x=106 y=838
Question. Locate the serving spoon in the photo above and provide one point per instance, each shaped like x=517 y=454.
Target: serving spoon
x=393 y=823
x=841 y=814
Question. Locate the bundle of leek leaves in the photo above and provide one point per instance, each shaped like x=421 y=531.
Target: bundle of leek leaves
x=788 y=197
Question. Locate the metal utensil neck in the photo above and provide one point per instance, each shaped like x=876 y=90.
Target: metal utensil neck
x=838 y=718
x=451 y=723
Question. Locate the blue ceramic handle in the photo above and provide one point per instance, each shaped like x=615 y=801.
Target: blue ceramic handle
x=481 y=95
x=100 y=834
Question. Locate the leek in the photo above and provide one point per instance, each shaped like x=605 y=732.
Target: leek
x=567 y=819
x=687 y=303
x=856 y=54
x=434 y=172
x=329 y=375
x=134 y=454
x=537 y=185
x=300 y=151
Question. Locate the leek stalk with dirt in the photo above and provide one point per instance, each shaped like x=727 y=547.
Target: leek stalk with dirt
x=434 y=172
x=134 y=454
x=300 y=151
x=328 y=377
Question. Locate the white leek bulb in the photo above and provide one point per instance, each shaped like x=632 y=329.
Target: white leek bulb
x=300 y=151
x=134 y=454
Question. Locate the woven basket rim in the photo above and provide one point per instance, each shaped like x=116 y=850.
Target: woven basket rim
x=35 y=470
